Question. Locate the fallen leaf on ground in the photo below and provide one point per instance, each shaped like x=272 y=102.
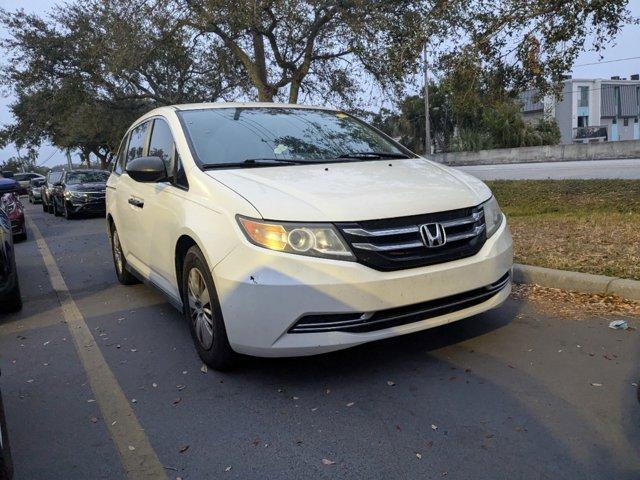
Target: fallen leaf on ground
x=184 y=448
x=594 y=384
x=131 y=448
x=351 y=404
x=94 y=419
x=204 y=368
x=434 y=427
x=419 y=456
x=177 y=400
x=228 y=468
x=326 y=461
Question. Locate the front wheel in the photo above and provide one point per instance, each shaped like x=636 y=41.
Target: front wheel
x=56 y=210
x=119 y=261
x=68 y=214
x=13 y=300
x=203 y=313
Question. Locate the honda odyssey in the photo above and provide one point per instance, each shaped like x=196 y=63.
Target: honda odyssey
x=284 y=230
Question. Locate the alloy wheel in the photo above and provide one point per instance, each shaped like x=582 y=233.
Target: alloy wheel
x=200 y=310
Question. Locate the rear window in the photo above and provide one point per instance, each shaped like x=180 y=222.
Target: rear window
x=74 y=178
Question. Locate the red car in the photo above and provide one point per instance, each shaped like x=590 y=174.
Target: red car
x=14 y=209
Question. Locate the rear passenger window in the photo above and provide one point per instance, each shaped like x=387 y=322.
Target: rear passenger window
x=136 y=143
x=162 y=144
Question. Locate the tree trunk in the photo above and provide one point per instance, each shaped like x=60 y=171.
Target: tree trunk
x=266 y=93
x=294 y=91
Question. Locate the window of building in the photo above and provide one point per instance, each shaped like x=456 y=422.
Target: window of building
x=626 y=121
x=583 y=121
x=584 y=97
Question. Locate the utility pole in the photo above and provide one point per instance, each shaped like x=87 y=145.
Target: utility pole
x=69 y=164
x=427 y=137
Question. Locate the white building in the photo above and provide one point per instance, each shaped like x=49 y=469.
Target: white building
x=590 y=110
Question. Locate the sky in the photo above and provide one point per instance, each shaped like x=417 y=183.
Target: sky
x=588 y=65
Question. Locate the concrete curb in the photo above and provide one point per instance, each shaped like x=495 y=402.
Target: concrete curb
x=577 y=282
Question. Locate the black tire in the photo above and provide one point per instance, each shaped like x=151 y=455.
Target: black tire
x=12 y=302
x=124 y=276
x=69 y=215
x=21 y=237
x=45 y=207
x=6 y=464
x=216 y=352
x=30 y=199
x=56 y=210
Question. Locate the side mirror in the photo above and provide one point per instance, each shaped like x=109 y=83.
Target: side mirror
x=147 y=169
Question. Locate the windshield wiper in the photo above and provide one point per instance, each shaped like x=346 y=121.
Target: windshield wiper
x=372 y=155
x=252 y=162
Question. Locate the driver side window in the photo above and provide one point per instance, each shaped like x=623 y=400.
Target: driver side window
x=162 y=145
x=137 y=142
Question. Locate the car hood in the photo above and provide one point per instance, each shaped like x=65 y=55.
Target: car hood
x=354 y=191
x=88 y=187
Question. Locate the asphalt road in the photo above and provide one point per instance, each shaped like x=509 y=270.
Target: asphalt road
x=588 y=169
x=503 y=395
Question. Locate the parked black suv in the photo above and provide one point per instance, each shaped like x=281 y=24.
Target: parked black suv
x=10 y=299
x=47 y=190
x=80 y=191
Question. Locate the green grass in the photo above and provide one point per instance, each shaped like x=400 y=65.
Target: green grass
x=590 y=226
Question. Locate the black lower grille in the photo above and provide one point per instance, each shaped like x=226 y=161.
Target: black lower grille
x=398 y=243
x=369 y=322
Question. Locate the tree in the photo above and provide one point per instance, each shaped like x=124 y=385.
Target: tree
x=93 y=65
x=322 y=47
x=84 y=75
x=471 y=108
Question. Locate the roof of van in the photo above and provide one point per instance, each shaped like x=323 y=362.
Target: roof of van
x=201 y=106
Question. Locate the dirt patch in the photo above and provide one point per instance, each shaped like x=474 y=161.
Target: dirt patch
x=572 y=305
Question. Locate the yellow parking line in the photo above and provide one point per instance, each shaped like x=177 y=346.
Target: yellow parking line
x=138 y=457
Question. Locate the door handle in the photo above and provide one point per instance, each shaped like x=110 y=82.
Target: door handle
x=136 y=202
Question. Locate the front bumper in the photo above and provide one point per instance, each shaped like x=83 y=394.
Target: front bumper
x=94 y=206
x=263 y=294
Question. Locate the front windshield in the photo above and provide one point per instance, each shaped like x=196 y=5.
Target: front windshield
x=75 y=178
x=235 y=135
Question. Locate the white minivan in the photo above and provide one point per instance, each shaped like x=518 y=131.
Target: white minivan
x=284 y=230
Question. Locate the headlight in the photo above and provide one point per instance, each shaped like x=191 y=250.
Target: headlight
x=493 y=216
x=314 y=240
x=74 y=195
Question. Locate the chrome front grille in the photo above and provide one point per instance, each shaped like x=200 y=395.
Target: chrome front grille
x=397 y=243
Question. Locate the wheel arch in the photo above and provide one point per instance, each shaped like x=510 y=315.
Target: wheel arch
x=183 y=244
